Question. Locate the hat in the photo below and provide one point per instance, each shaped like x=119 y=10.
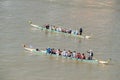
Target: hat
x=90 y=50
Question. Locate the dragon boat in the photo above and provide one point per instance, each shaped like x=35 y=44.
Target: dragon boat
x=44 y=52
x=55 y=31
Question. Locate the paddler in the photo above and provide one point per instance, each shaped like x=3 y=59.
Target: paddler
x=47 y=26
x=48 y=50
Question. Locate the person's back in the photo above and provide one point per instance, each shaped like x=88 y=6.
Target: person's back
x=47 y=26
x=90 y=54
x=83 y=56
x=78 y=56
x=63 y=53
x=81 y=30
x=48 y=50
x=53 y=51
x=74 y=54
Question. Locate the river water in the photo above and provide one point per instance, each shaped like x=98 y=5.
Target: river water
x=98 y=18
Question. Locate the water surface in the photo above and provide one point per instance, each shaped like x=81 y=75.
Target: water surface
x=99 y=18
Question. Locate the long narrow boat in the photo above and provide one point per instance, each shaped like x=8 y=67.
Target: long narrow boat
x=44 y=52
x=68 y=34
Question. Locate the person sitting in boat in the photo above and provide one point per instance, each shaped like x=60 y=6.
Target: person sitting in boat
x=64 y=53
x=58 y=52
x=73 y=32
x=48 y=50
x=53 y=51
x=90 y=54
x=52 y=27
x=69 y=53
x=76 y=32
x=58 y=29
x=83 y=56
x=78 y=55
x=47 y=26
x=73 y=54
x=70 y=31
x=37 y=49
x=63 y=30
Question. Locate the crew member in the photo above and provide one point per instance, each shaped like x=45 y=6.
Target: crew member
x=90 y=54
x=80 y=31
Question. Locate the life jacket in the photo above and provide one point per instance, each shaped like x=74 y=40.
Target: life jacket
x=48 y=50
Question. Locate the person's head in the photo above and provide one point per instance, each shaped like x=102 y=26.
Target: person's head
x=90 y=50
x=37 y=49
